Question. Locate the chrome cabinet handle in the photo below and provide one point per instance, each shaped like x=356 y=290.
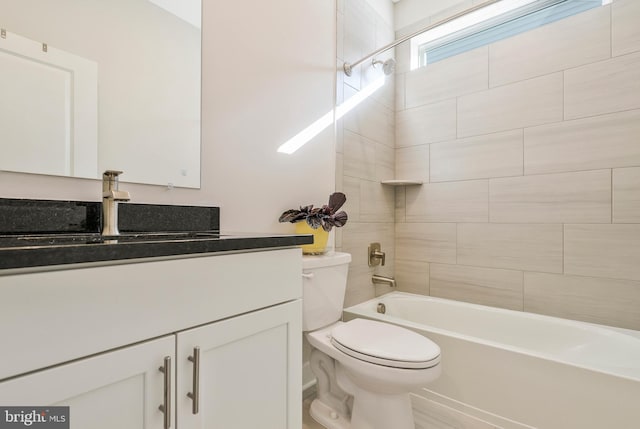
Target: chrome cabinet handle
x=195 y=395
x=166 y=407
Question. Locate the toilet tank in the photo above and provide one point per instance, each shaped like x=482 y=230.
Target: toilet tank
x=324 y=280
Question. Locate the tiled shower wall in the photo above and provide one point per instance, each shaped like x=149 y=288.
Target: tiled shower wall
x=530 y=153
x=365 y=148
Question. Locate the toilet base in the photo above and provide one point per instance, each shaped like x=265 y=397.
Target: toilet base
x=379 y=411
x=396 y=413
x=328 y=417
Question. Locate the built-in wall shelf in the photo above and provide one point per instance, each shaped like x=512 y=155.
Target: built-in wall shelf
x=401 y=182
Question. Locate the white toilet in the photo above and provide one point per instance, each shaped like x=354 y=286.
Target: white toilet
x=365 y=369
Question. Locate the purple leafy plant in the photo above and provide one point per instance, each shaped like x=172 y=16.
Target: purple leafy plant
x=326 y=216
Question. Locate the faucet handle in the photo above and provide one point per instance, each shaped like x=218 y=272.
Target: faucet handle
x=376 y=256
x=110 y=180
x=110 y=184
x=111 y=173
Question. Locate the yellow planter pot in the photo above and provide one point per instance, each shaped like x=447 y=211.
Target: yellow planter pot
x=320 y=238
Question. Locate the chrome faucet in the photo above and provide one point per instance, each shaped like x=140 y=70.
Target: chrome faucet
x=111 y=195
x=383 y=280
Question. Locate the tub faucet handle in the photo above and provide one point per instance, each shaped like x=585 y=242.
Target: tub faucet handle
x=376 y=256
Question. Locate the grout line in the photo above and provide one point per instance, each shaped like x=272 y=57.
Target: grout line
x=563 y=257
x=456 y=241
x=488 y=67
x=429 y=163
x=523 y=290
x=523 y=146
x=610 y=31
x=564 y=104
x=611 y=220
x=489 y=200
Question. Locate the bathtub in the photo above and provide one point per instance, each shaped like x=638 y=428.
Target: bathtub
x=511 y=369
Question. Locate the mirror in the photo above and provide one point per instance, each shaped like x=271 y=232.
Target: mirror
x=94 y=85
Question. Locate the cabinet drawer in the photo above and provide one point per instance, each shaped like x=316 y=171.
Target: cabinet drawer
x=51 y=317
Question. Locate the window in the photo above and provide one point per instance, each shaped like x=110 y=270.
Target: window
x=487 y=26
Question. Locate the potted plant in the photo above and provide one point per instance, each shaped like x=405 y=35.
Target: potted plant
x=317 y=221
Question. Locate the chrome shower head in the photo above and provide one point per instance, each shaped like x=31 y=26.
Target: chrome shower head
x=388 y=66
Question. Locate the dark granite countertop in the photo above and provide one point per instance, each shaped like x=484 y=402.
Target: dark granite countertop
x=29 y=251
x=51 y=234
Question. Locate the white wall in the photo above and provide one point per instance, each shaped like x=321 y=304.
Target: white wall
x=268 y=71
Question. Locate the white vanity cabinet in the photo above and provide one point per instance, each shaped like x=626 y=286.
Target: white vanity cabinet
x=119 y=389
x=247 y=365
x=95 y=339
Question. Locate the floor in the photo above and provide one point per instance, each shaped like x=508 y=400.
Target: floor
x=307 y=420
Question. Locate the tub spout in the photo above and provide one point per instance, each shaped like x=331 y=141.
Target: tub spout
x=384 y=280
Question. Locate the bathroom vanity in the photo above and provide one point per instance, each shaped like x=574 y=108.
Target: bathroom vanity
x=209 y=338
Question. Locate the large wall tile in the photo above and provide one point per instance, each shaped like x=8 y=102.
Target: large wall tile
x=356 y=239
x=584 y=144
x=339 y=172
x=578 y=197
x=385 y=162
x=603 y=87
x=574 y=41
x=523 y=104
x=426 y=242
x=400 y=96
x=340 y=37
x=466 y=201
x=373 y=120
x=377 y=202
x=625 y=15
x=402 y=56
x=602 y=251
x=491 y=155
x=359 y=156
x=385 y=95
x=626 y=195
x=595 y=300
x=401 y=204
x=413 y=163
x=412 y=276
x=426 y=124
x=359 y=36
x=454 y=76
x=486 y=286
x=511 y=246
x=351 y=188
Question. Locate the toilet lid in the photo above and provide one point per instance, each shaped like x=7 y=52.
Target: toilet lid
x=385 y=344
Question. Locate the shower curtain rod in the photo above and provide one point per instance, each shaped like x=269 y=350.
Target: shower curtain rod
x=348 y=67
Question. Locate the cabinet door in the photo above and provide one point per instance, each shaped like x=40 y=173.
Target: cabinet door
x=119 y=389
x=250 y=371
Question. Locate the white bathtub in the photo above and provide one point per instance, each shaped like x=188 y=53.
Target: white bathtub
x=511 y=369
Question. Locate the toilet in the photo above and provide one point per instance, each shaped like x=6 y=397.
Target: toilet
x=365 y=369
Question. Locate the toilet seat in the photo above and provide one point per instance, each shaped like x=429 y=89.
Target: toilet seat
x=385 y=344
